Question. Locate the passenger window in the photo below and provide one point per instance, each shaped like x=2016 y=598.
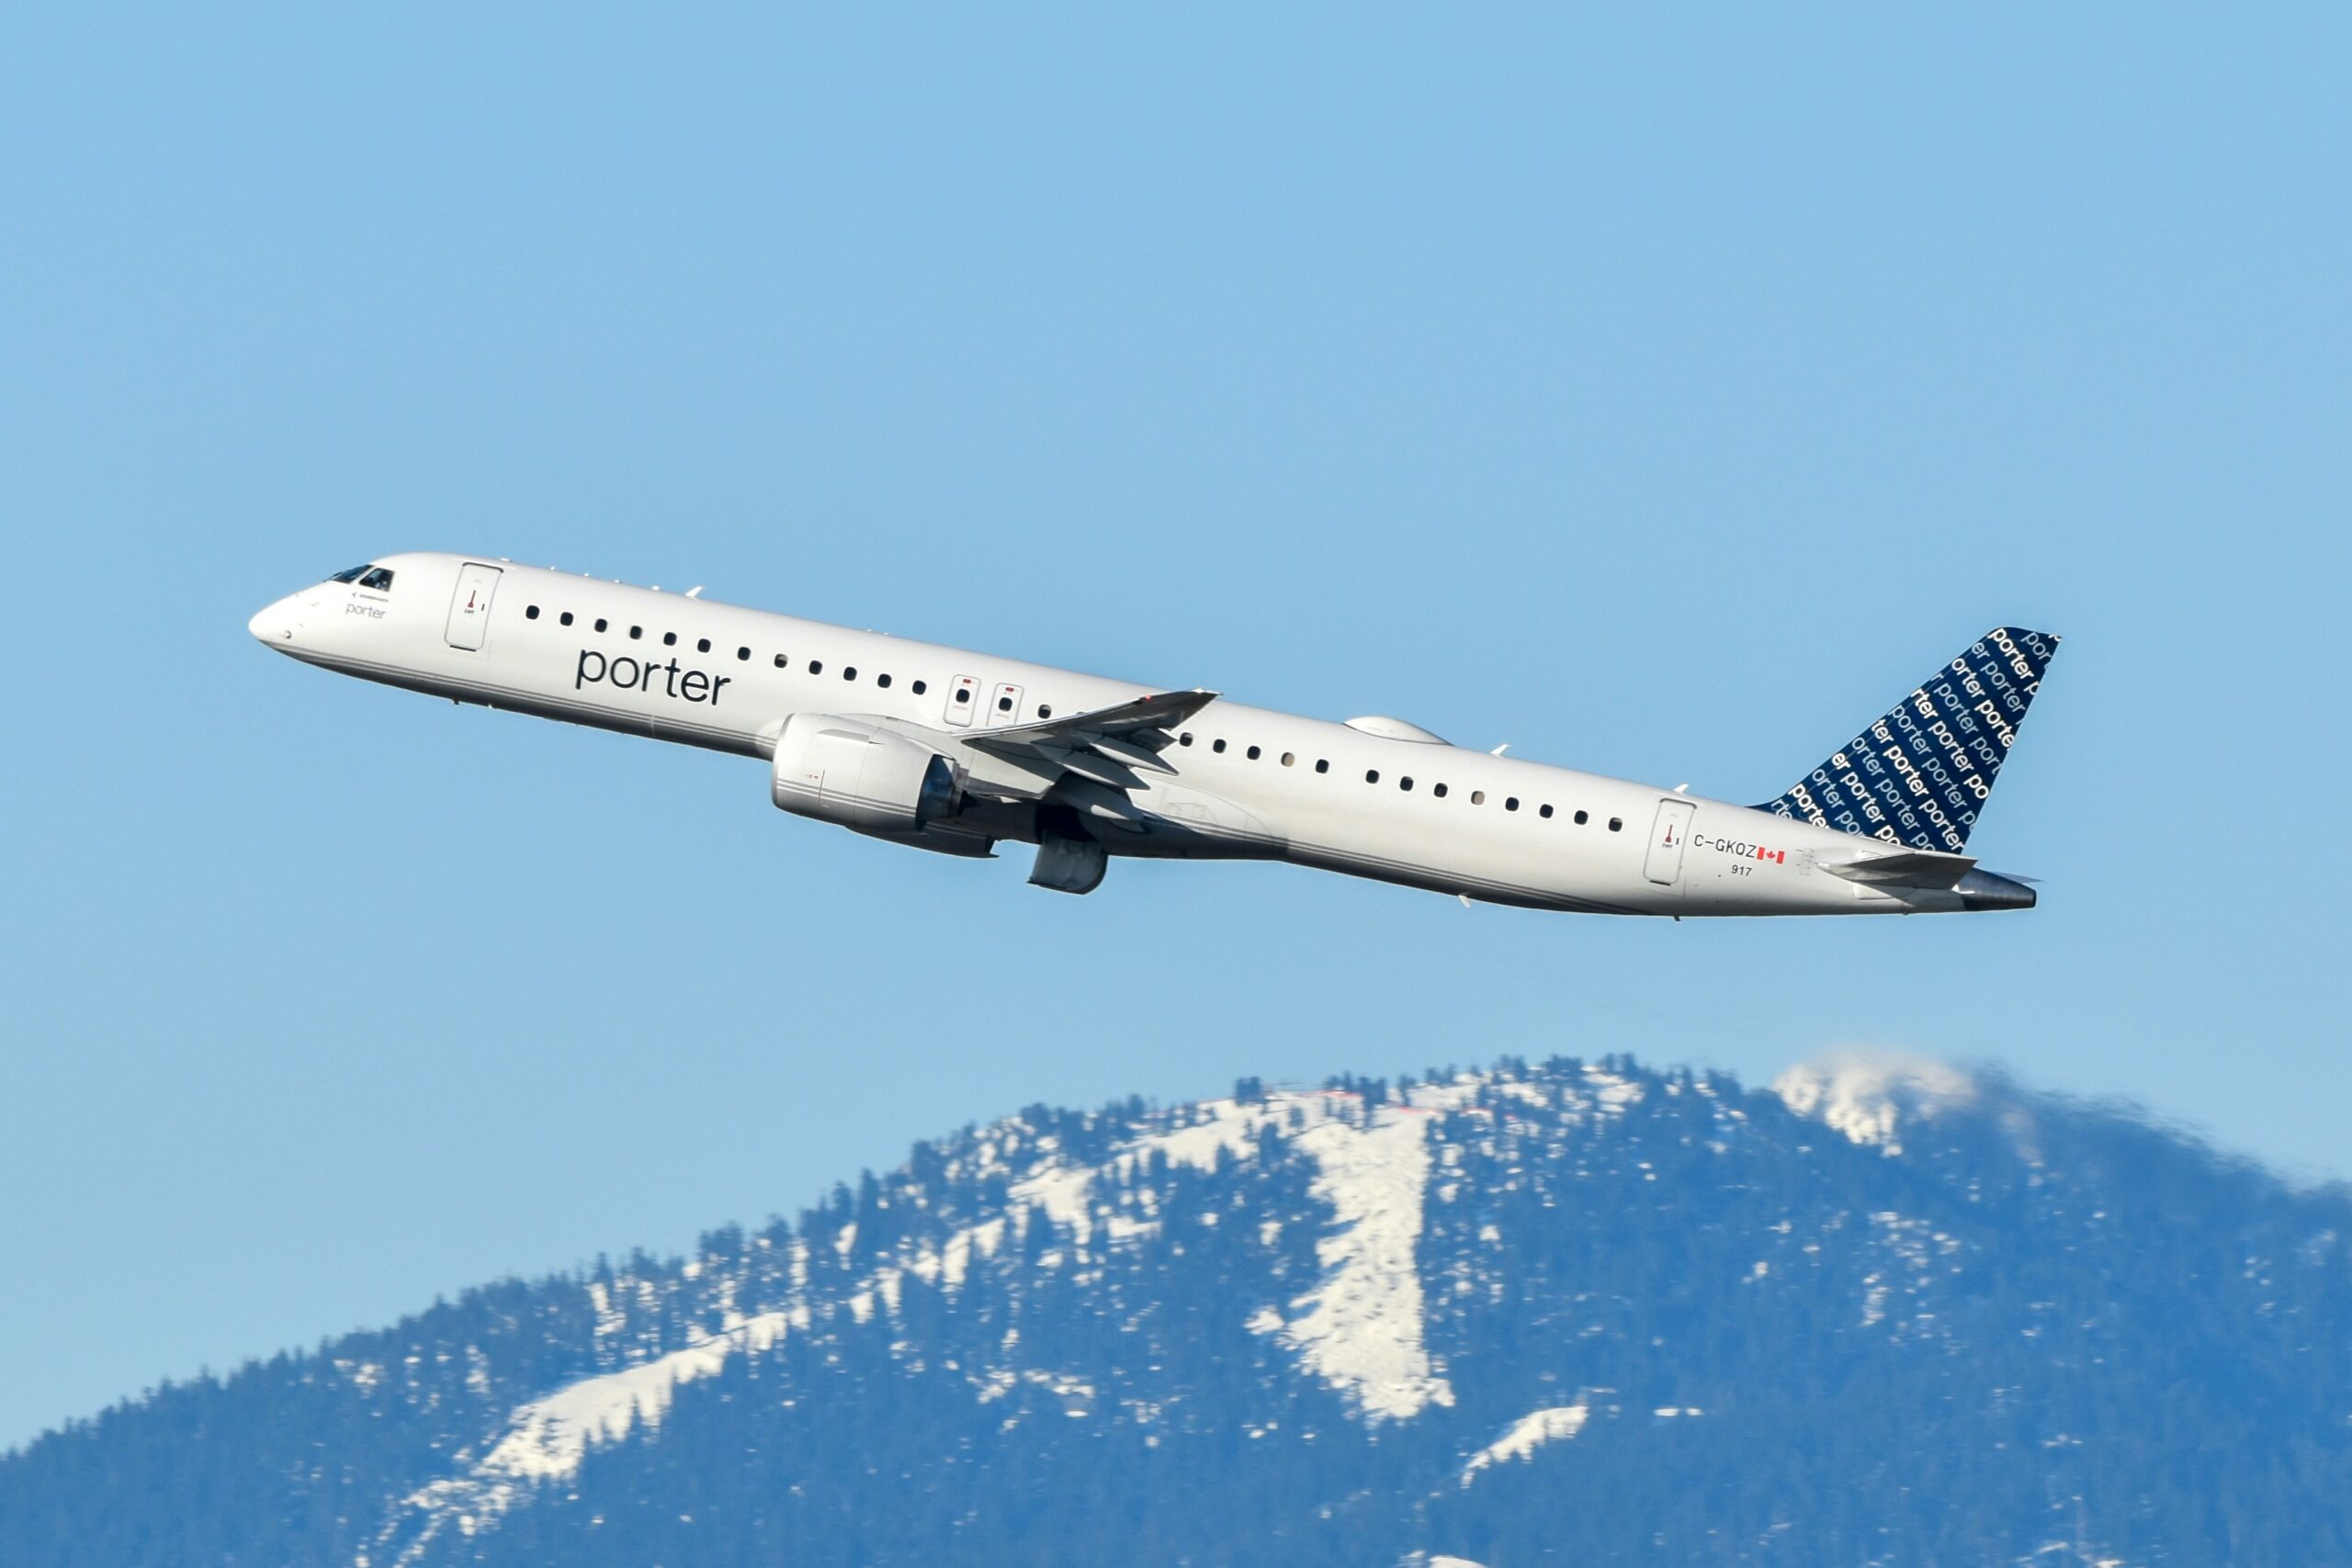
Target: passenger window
x=882 y=679
x=1044 y=710
x=781 y=661
x=669 y=639
x=379 y=579
x=1288 y=758
x=1004 y=705
x=919 y=688
x=532 y=614
x=565 y=618
x=1372 y=775
x=601 y=623
x=1616 y=824
x=1545 y=811
x=1477 y=798
x=1406 y=783
x=849 y=671
x=1253 y=753
x=743 y=653
x=702 y=645
x=1186 y=738
x=816 y=667
x=1218 y=746
x=635 y=634
x=962 y=694
x=1322 y=764
x=1582 y=819
x=1510 y=803
x=1438 y=790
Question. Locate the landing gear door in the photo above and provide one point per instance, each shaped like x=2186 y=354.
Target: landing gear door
x=963 y=696
x=469 y=606
x=1668 y=837
x=1004 y=705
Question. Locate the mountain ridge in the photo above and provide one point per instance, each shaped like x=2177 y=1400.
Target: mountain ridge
x=1390 y=1308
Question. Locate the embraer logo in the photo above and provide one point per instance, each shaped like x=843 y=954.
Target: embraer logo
x=639 y=675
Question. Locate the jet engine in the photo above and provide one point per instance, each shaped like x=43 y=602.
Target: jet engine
x=847 y=772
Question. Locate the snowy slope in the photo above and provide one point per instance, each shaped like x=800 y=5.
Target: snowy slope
x=1886 y=1310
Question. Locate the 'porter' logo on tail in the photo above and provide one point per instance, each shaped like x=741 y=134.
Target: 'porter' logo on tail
x=1920 y=774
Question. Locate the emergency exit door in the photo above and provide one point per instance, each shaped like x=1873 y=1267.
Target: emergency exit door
x=1667 y=837
x=469 y=606
x=963 y=697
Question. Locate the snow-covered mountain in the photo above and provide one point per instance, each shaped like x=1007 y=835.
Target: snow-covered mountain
x=1885 y=1312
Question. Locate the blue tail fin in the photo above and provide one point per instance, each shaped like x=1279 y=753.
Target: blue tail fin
x=1920 y=775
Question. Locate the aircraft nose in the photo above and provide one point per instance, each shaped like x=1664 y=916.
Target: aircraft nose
x=277 y=624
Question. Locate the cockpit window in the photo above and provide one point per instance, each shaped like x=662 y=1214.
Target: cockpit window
x=352 y=576
x=380 y=579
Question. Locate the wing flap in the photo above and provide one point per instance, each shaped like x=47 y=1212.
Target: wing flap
x=1102 y=769
x=1127 y=752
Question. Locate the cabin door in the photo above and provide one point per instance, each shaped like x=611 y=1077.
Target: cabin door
x=1004 y=705
x=1664 y=865
x=469 y=606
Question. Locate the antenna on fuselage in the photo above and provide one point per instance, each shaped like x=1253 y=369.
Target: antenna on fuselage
x=696 y=591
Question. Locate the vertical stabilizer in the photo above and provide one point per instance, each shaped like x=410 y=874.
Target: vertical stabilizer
x=1919 y=775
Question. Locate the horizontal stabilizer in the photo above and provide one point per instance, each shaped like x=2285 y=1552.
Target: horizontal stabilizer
x=1911 y=868
x=1912 y=874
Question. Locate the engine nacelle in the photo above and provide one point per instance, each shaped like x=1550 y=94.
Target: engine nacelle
x=839 y=769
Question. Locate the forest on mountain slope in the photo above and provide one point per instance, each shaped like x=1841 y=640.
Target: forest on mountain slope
x=1965 y=1324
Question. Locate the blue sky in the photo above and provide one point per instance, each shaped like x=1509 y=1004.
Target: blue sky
x=1663 y=397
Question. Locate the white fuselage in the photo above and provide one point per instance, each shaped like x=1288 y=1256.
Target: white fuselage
x=1240 y=782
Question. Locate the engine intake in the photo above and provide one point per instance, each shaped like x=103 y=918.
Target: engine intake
x=842 y=771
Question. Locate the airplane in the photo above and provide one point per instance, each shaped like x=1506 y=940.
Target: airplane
x=953 y=752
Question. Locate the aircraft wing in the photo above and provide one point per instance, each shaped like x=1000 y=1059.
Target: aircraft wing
x=1107 y=745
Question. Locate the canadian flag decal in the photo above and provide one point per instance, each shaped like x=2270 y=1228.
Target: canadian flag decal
x=1779 y=857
